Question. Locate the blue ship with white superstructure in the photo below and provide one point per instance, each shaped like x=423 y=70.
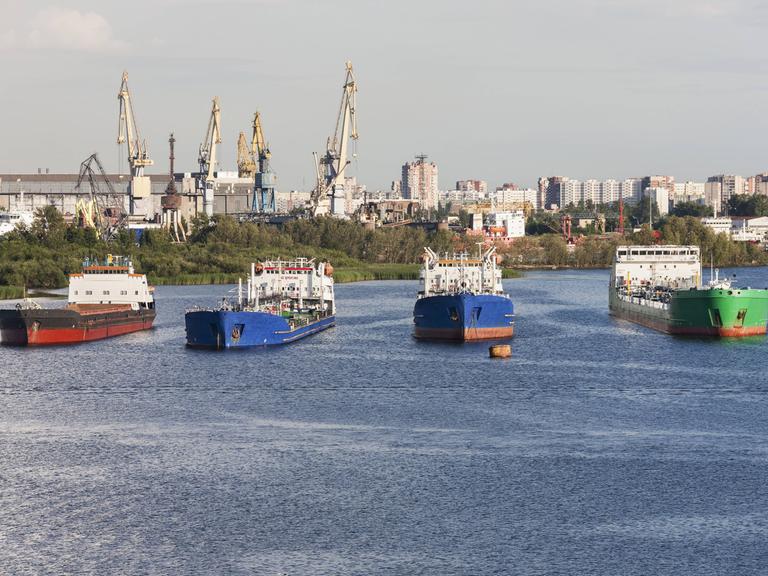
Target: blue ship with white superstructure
x=462 y=298
x=282 y=301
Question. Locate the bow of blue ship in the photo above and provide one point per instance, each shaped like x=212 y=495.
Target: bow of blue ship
x=242 y=329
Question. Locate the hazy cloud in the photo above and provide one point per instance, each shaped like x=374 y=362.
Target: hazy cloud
x=7 y=39
x=505 y=90
x=64 y=29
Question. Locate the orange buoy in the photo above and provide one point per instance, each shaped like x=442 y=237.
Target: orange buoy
x=500 y=351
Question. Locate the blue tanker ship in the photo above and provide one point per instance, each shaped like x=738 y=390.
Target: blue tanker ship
x=283 y=301
x=462 y=298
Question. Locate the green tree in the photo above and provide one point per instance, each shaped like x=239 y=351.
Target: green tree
x=692 y=209
x=555 y=250
x=748 y=205
x=49 y=226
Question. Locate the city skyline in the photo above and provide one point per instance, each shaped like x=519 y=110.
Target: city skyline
x=498 y=105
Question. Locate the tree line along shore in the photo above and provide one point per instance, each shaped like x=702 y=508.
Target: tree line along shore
x=220 y=250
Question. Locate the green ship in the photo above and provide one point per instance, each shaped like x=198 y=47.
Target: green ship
x=660 y=287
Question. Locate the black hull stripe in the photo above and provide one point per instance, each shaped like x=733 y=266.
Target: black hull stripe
x=52 y=319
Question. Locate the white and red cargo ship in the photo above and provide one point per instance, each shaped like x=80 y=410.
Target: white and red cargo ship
x=105 y=299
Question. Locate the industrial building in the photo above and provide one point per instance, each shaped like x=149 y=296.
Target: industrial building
x=27 y=192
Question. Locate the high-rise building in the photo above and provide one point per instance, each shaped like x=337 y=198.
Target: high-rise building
x=549 y=191
x=632 y=190
x=667 y=182
x=713 y=195
x=730 y=185
x=688 y=192
x=761 y=184
x=590 y=192
x=516 y=196
x=420 y=182
x=610 y=190
x=480 y=186
x=561 y=191
x=458 y=196
x=660 y=198
x=570 y=192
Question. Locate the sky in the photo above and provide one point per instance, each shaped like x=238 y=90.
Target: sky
x=501 y=90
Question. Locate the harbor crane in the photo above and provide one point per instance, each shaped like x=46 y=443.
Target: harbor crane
x=246 y=165
x=329 y=169
x=207 y=157
x=139 y=187
x=264 y=187
x=104 y=210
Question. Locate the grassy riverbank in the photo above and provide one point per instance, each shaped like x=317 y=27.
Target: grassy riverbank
x=11 y=292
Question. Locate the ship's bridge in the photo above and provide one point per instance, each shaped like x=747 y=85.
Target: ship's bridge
x=671 y=266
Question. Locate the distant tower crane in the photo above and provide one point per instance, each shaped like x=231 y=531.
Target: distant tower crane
x=246 y=165
x=330 y=178
x=207 y=157
x=105 y=208
x=266 y=180
x=139 y=188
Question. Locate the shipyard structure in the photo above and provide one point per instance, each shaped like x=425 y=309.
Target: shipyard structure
x=231 y=193
x=136 y=199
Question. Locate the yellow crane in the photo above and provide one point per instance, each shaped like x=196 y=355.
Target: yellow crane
x=329 y=170
x=139 y=188
x=266 y=181
x=104 y=208
x=207 y=156
x=246 y=165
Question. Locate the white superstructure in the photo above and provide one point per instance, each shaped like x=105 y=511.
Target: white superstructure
x=506 y=224
x=667 y=266
x=300 y=280
x=110 y=282
x=719 y=225
x=459 y=273
x=10 y=220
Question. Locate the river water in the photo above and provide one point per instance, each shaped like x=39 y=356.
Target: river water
x=600 y=447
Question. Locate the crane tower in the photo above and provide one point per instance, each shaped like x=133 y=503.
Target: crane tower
x=327 y=195
x=104 y=210
x=207 y=157
x=266 y=180
x=246 y=165
x=139 y=187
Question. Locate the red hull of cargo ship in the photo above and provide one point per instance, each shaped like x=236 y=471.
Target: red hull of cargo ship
x=43 y=327
x=73 y=335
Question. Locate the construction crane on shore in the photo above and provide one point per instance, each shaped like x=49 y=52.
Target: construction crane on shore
x=327 y=195
x=265 y=184
x=246 y=165
x=104 y=210
x=207 y=156
x=139 y=187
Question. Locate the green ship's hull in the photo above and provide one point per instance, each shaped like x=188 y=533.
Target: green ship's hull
x=731 y=312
